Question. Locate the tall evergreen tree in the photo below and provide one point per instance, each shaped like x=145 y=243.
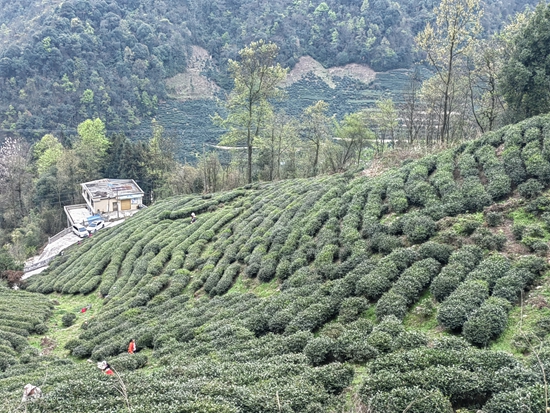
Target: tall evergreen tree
x=525 y=77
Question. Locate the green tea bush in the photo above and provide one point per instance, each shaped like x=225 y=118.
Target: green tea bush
x=391 y=303
x=352 y=346
x=527 y=399
x=435 y=250
x=513 y=164
x=409 y=340
x=320 y=350
x=468 y=256
x=485 y=239
x=487 y=323
x=493 y=219
x=491 y=269
x=68 y=319
x=351 y=308
x=466 y=299
x=334 y=377
x=530 y=189
x=380 y=340
x=418 y=228
x=510 y=286
x=475 y=197
x=447 y=281
x=415 y=279
x=384 y=243
x=421 y=193
x=411 y=399
x=535 y=162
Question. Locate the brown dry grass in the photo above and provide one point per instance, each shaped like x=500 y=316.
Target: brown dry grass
x=392 y=158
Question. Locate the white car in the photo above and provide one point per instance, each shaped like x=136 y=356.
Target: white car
x=79 y=230
x=95 y=226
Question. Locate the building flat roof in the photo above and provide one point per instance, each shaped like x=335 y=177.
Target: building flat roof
x=112 y=188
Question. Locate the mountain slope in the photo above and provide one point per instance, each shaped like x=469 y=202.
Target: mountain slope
x=64 y=62
x=306 y=295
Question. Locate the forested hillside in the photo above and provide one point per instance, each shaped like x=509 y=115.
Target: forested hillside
x=64 y=62
x=422 y=288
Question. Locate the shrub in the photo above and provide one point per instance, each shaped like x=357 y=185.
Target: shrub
x=283 y=269
x=487 y=323
x=391 y=325
x=418 y=228
x=409 y=340
x=352 y=346
x=296 y=342
x=335 y=377
x=351 y=308
x=391 y=303
x=493 y=219
x=373 y=285
x=529 y=399
x=469 y=257
x=435 y=250
x=68 y=319
x=320 y=350
x=530 y=189
x=487 y=240
x=513 y=164
x=534 y=265
x=40 y=328
x=444 y=284
x=510 y=286
x=517 y=230
x=491 y=269
x=82 y=351
x=412 y=400
x=466 y=299
x=416 y=278
x=380 y=340
x=474 y=195
x=385 y=243
x=467 y=226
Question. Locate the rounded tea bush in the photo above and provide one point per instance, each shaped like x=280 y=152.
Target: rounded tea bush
x=487 y=323
x=418 y=228
x=68 y=319
x=530 y=189
x=320 y=350
x=493 y=219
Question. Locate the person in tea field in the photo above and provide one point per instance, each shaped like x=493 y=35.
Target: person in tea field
x=31 y=393
x=105 y=368
x=132 y=346
x=193 y=217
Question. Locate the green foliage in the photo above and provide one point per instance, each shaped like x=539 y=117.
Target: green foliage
x=461 y=303
x=488 y=322
x=418 y=228
x=68 y=319
x=319 y=350
x=530 y=189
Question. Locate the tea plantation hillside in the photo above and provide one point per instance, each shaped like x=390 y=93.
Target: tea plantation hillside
x=423 y=289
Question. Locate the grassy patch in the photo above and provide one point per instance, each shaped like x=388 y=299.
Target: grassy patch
x=423 y=315
x=68 y=304
x=504 y=342
x=522 y=217
x=245 y=285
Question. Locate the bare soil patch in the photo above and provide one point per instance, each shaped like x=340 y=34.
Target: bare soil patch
x=307 y=65
x=192 y=84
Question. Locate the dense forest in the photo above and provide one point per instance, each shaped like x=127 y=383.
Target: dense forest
x=62 y=63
